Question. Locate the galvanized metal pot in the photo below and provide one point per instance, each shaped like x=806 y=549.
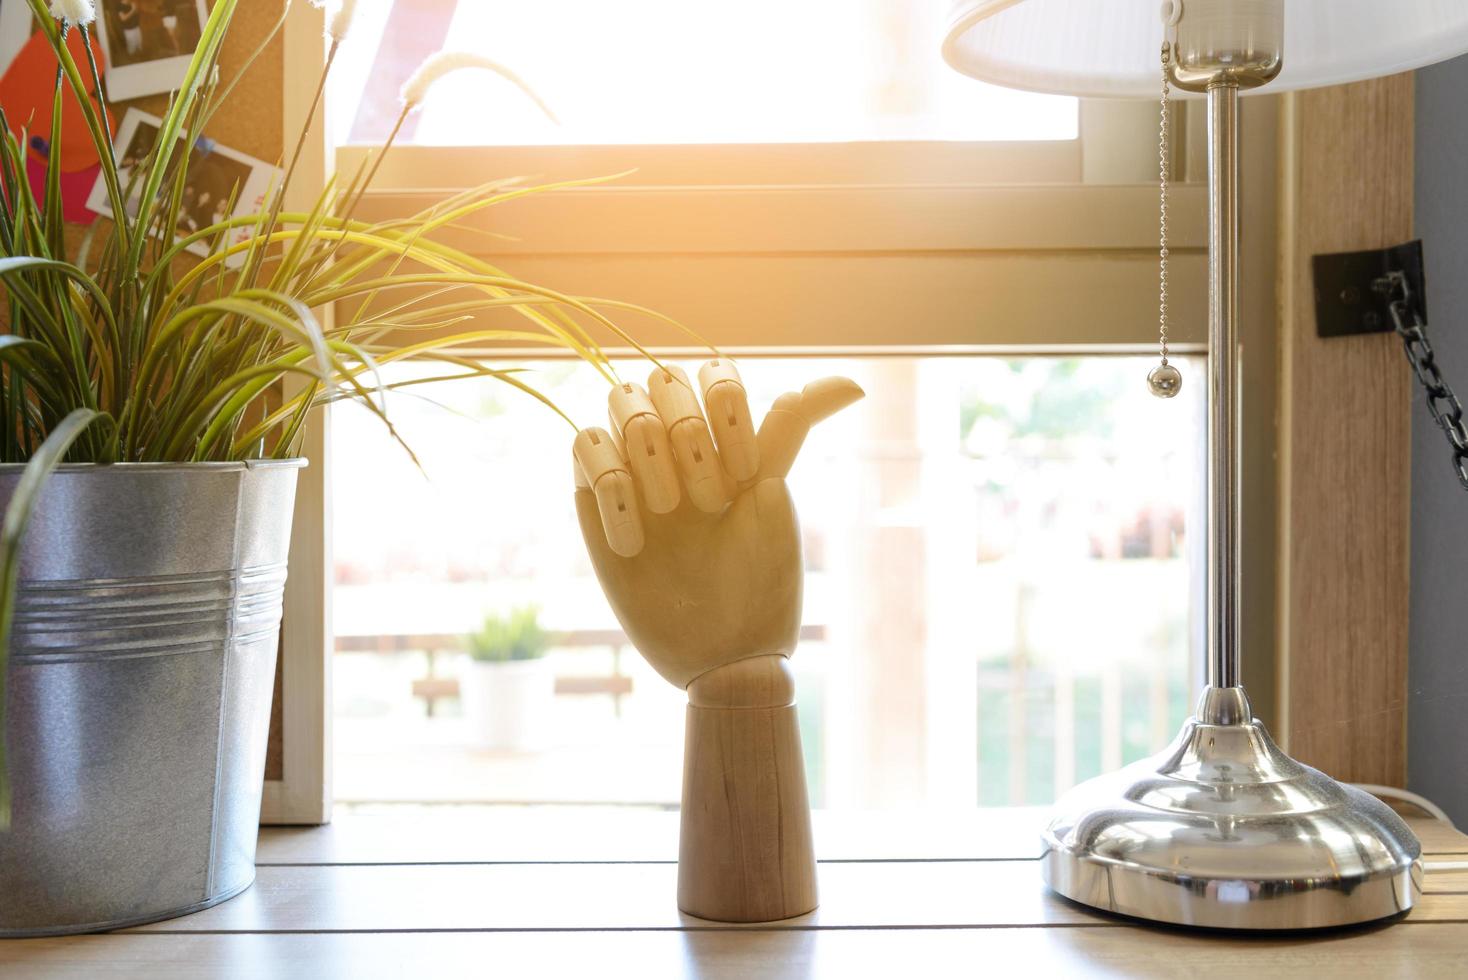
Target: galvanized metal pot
x=141 y=669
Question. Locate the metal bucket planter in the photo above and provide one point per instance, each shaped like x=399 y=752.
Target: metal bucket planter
x=142 y=664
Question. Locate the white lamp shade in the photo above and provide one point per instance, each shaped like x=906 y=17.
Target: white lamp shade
x=1110 y=48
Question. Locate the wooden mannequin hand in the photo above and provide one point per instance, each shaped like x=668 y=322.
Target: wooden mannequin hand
x=697 y=548
x=698 y=551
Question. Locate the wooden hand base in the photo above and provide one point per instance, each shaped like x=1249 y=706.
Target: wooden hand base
x=744 y=851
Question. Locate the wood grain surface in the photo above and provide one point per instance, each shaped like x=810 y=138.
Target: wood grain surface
x=1345 y=440
x=930 y=918
x=1405 y=950
x=745 y=851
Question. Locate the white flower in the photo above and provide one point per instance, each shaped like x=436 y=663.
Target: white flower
x=339 y=21
x=77 y=12
x=415 y=90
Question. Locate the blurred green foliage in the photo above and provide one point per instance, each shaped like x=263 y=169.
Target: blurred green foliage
x=515 y=636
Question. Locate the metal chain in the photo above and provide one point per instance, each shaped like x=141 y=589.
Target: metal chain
x=1162 y=175
x=1444 y=406
x=1164 y=380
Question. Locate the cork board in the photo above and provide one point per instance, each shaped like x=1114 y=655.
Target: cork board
x=251 y=119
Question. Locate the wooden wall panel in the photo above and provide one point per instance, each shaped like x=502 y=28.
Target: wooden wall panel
x=1345 y=440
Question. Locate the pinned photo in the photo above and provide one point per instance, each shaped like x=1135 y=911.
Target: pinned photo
x=218 y=177
x=148 y=43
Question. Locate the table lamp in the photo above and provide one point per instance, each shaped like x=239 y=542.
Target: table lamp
x=1222 y=829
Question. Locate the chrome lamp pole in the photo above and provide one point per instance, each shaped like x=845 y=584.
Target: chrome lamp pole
x=1225 y=468
x=1221 y=829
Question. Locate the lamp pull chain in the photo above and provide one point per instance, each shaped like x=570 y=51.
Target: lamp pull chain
x=1164 y=380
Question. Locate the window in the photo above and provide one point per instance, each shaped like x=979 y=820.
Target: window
x=991 y=247
x=1000 y=588
x=668 y=71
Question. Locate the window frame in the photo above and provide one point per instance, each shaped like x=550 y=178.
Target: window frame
x=303 y=794
x=1040 y=236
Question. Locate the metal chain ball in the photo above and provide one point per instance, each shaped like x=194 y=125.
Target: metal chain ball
x=1164 y=380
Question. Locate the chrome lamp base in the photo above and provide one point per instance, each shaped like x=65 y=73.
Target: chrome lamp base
x=1222 y=830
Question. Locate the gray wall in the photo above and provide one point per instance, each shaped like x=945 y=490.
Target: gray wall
x=1437 y=713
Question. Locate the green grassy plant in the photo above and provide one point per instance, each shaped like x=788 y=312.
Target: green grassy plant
x=136 y=351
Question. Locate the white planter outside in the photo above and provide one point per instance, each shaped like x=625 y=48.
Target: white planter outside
x=507 y=704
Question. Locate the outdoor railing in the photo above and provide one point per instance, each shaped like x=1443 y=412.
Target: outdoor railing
x=432 y=687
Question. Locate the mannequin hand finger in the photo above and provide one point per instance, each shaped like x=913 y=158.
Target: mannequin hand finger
x=693 y=446
x=647 y=449
x=611 y=482
x=784 y=429
x=588 y=515
x=824 y=397
x=616 y=438
x=727 y=407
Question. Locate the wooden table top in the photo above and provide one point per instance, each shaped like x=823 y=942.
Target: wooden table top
x=510 y=892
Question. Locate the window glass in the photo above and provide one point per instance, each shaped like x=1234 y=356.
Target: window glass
x=671 y=71
x=1002 y=588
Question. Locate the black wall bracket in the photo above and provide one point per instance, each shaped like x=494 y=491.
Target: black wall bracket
x=1347 y=299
